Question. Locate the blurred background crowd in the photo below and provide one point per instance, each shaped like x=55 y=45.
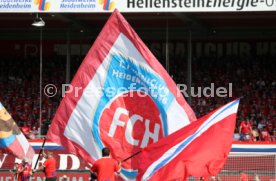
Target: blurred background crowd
x=253 y=81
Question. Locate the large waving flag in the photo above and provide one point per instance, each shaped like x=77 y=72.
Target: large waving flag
x=12 y=139
x=199 y=149
x=121 y=97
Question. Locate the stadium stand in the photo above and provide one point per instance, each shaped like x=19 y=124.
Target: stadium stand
x=19 y=81
x=253 y=80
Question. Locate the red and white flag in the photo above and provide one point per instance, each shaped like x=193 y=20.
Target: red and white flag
x=121 y=97
x=199 y=149
x=11 y=137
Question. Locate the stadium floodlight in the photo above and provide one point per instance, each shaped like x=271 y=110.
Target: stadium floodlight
x=38 y=22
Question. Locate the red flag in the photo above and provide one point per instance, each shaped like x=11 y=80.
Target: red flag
x=121 y=97
x=199 y=149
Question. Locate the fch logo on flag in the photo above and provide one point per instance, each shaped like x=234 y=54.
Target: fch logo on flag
x=131 y=112
x=126 y=100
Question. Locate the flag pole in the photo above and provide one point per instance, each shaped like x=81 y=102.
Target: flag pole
x=133 y=155
x=42 y=147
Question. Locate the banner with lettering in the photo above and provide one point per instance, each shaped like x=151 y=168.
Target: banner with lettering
x=89 y=6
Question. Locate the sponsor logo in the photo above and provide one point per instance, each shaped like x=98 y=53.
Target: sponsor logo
x=107 y=4
x=42 y=5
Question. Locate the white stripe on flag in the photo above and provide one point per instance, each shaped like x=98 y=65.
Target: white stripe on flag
x=177 y=117
x=23 y=142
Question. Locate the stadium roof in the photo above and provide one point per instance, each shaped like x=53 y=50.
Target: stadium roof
x=223 y=24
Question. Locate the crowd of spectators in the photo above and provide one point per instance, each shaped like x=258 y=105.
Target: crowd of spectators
x=253 y=81
x=20 y=91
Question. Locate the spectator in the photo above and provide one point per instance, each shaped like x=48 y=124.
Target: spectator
x=261 y=124
x=265 y=136
x=24 y=170
x=26 y=129
x=255 y=134
x=245 y=130
x=33 y=133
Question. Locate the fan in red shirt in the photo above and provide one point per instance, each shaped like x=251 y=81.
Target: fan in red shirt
x=265 y=135
x=245 y=130
x=24 y=170
x=49 y=167
x=26 y=129
x=106 y=167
